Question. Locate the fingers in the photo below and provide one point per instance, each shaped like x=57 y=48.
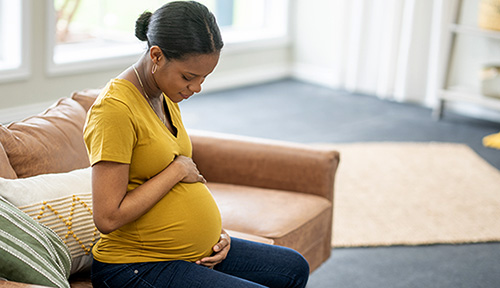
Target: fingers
x=211 y=261
x=202 y=179
x=221 y=249
x=192 y=174
x=215 y=259
x=223 y=243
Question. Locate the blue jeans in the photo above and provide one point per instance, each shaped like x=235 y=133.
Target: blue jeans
x=248 y=264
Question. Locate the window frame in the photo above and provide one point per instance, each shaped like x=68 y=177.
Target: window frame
x=22 y=71
x=263 y=39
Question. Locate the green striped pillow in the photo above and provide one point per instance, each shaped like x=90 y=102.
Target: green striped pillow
x=62 y=202
x=30 y=252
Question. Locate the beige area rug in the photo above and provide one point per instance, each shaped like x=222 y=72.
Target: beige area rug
x=414 y=194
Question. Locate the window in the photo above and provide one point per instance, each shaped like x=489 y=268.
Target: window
x=13 y=39
x=93 y=34
x=252 y=20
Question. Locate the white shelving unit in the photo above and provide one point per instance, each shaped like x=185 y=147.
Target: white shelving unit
x=462 y=94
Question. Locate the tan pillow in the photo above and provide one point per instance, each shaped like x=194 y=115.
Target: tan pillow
x=51 y=142
x=86 y=97
x=62 y=202
x=6 y=170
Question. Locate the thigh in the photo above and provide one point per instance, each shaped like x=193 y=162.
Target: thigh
x=269 y=265
x=163 y=274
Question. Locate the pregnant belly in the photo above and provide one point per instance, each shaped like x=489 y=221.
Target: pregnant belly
x=184 y=225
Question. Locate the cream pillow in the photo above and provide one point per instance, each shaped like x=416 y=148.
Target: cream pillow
x=62 y=202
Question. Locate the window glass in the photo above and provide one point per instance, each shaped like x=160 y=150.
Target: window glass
x=2 y=40
x=91 y=20
x=10 y=34
x=253 y=20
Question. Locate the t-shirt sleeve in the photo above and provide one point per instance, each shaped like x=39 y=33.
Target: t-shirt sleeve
x=109 y=133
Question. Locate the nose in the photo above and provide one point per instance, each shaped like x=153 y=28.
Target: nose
x=196 y=86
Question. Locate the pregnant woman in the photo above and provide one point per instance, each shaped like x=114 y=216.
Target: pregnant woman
x=159 y=222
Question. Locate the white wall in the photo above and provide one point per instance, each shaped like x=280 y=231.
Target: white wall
x=364 y=46
x=315 y=28
x=387 y=48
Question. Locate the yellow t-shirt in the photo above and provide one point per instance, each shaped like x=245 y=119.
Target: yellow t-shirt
x=183 y=225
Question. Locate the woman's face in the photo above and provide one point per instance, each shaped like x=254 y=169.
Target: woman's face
x=180 y=79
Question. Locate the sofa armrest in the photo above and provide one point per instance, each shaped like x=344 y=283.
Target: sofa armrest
x=256 y=162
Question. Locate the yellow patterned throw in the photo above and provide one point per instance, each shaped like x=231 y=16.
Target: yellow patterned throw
x=62 y=202
x=71 y=218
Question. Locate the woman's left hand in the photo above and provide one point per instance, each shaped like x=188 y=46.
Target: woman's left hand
x=221 y=249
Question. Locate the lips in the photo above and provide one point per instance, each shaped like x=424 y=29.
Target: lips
x=185 y=96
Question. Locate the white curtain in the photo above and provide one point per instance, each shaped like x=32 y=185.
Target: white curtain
x=387 y=48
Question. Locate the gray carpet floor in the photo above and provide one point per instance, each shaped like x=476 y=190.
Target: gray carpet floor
x=295 y=111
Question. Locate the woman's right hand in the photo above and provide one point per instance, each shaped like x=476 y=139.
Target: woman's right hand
x=192 y=174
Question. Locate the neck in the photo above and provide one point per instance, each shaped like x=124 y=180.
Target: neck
x=151 y=89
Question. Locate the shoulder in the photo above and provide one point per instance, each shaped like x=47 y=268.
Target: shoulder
x=113 y=107
x=118 y=95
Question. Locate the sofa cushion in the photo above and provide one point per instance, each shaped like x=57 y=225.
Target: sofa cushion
x=289 y=218
x=62 y=202
x=50 y=142
x=6 y=170
x=249 y=237
x=30 y=252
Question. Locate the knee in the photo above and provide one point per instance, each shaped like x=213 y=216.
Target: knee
x=300 y=270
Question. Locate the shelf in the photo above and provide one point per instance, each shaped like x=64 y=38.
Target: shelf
x=461 y=95
x=474 y=31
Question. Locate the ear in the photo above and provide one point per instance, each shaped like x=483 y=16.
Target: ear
x=156 y=54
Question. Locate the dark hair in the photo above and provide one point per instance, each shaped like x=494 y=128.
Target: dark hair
x=180 y=28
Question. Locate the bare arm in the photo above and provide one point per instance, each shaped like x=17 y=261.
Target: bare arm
x=114 y=207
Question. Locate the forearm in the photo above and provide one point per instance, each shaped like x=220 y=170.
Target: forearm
x=114 y=207
x=139 y=201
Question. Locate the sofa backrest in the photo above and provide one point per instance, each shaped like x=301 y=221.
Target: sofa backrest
x=50 y=142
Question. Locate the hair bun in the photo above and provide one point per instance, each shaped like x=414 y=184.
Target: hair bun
x=141 y=26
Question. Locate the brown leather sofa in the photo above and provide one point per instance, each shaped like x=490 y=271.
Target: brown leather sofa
x=269 y=191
